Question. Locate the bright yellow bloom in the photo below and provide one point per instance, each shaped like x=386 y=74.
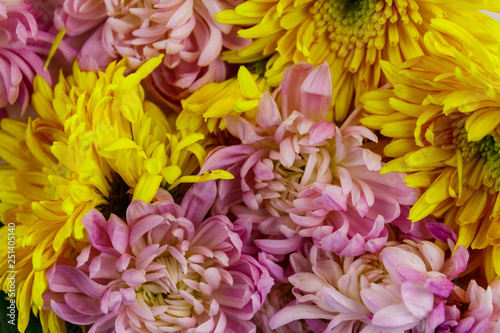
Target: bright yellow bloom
x=352 y=35
x=204 y=110
x=96 y=140
x=443 y=115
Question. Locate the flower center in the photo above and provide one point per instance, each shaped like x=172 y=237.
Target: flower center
x=345 y=22
x=487 y=148
x=118 y=200
x=168 y=290
x=354 y=23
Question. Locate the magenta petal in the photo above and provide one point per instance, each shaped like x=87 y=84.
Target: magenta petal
x=437 y=316
x=317 y=93
x=441 y=231
x=95 y=223
x=439 y=285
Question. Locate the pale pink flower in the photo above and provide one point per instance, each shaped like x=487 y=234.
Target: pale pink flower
x=298 y=175
x=184 y=30
x=160 y=271
x=398 y=289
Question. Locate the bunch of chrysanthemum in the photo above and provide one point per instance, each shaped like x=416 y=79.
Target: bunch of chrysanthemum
x=344 y=179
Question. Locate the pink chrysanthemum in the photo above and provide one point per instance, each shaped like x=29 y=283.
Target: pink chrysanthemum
x=401 y=288
x=164 y=270
x=19 y=61
x=298 y=175
x=184 y=30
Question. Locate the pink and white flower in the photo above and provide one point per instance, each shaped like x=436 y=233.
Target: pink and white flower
x=298 y=175
x=404 y=287
x=160 y=271
x=184 y=30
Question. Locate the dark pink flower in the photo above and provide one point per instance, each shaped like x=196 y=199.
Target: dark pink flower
x=23 y=40
x=160 y=272
x=19 y=63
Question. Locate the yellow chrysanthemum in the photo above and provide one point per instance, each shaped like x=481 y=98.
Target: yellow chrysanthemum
x=443 y=115
x=352 y=35
x=96 y=140
x=204 y=110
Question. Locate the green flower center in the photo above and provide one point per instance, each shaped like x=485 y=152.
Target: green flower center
x=356 y=23
x=343 y=19
x=488 y=147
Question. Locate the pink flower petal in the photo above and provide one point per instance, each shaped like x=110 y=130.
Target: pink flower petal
x=134 y=277
x=417 y=299
x=268 y=114
x=317 y=93
x=118 y=232
x=198 y=201
x=334 y=198
x=297 y=312
x=394 y=318
x=290 y=90
x=438 y=284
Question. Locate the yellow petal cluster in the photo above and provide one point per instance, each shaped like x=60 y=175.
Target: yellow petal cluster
x=205 y=109
x=352 y=35
x=443 y=113
x=95 y=141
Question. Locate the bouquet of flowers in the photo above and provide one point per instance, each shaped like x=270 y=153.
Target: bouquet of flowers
x=245 y=166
